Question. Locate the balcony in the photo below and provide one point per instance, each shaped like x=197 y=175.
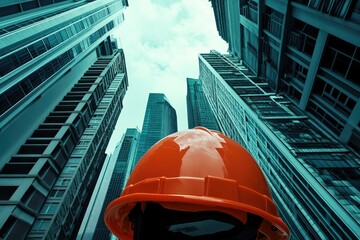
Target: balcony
x=250 y=11
x=303 y=37
x=273 y=22
x=336 y=8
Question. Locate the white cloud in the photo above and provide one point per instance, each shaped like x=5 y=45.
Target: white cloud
x=161 y=40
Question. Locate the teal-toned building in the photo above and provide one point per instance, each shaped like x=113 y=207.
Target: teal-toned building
x=160 y=120
x=62 y=82
x=198 y=109
x=308 y=50
x=111 y=182
x=314 y=178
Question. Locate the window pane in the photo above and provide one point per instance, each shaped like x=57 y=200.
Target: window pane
x=40 y=47
x=49 y=208
x=34 y=79
x=53 y=41
x=55 y=64
x=29 y=5
x=41 y=225
x=57 y=193
x=14 y=94
x=4 y=104
x=49 y=70
x=26 y=86
x=77 y=27
x=353 y=74
x=63 y=35
x=45 y=2
x=8 y=10
x=6 y=66
x=23 y=55
x=32 y=51
x=341 y=64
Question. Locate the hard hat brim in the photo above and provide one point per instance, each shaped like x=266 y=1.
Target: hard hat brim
x=155 y=190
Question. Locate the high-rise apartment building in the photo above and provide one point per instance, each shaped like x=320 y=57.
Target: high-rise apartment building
x=109 y=186
x=308 y=50
x=44 y=47
x=198 y=109
x=61 y=90
x=159 y=121
x=314 y=177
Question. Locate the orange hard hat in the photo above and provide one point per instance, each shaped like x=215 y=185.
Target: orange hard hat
x=196 y=171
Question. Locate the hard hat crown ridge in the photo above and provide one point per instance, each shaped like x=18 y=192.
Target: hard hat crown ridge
x=198 y=170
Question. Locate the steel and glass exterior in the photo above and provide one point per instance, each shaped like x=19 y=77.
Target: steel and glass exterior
x=38 y=51
x=160 y=120
x=198 y=109
x=109 y=186
x=62 y=82
x=308 y=50
x=314 y=177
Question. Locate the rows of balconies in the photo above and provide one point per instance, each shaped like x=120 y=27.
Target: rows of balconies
x=39 y=161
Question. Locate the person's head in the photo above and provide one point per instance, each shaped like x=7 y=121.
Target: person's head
x=196 y=184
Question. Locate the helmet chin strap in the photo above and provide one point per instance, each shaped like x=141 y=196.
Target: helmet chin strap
x=137 y=218
x=143 y=225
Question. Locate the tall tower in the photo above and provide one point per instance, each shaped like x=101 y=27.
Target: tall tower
x=308 y=50
x=314 y=178
x=45 y=48
x=198 y=109
x=159 y=121
x=109 y=186
x=61 y=90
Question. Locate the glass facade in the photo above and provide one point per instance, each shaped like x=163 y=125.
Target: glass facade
x=59 y=161
x=313 y=177
x=159 y=121
x=307 y=50
x=9 y=7
x=198 y=109
x=62 y=85
x=109 y=186
x=20 y=57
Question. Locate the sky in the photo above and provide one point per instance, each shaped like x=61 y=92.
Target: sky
x=162 y=40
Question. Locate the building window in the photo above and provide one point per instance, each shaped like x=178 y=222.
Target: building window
x=14 y=94
x=69 y=169
x=79 y=151
x=273 y=22
x=303 y=37
x=338 y=8
x=33 y=198
x=4 y=104
x=40 y=225
x=295 y=70
x=250 y=10
x=37 y=48
x=332 y=123
x=7 y=227
x=49 y=208
x=343 y=58
x=57 y=193
x=338 y=99
x=7 y=191
x=62 y=182
x=74 y=160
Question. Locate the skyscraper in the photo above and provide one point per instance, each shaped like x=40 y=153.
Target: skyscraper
x=61 y=90
x=314 y=178
x=198 y=108
x=159 y=121
x=111 y=181
x=44 y=47
x=308 y=50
